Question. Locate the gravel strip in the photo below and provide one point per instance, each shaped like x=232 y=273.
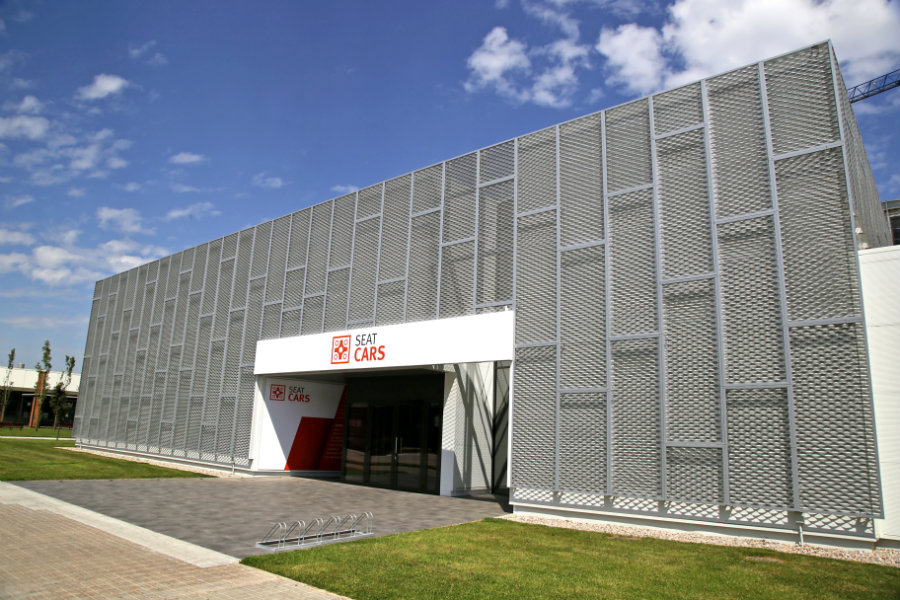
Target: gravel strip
x=161 y=463
x=881 y=556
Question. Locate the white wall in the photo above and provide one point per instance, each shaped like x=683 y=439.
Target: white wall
x=25 y=379
x=466 y=461
x=880 y=280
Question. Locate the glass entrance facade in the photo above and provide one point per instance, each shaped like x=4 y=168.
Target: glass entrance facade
x=393 y=433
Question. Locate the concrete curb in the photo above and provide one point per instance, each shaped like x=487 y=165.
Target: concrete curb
x=157 y=542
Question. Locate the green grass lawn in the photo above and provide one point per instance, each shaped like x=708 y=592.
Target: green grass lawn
x=26 y=460
x=495 y=559
x=30 y=432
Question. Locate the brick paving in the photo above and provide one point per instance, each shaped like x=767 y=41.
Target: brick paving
x=231 y=515
x=47 y=555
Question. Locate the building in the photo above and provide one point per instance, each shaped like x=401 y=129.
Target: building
x=892 y=212
x=20 y=408
x=653 y=311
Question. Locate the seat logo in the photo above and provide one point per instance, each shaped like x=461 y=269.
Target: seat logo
x=340 y=349
x=276 y=392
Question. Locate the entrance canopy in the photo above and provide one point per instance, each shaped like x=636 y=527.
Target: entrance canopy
x=476 y=338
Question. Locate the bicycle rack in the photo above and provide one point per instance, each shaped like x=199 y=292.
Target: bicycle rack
x=303 y=534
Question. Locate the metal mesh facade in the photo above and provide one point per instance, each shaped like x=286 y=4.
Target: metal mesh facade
x=689 y=336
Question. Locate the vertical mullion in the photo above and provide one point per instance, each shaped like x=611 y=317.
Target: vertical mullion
x=352 y=248
x=717 y=288
x=782 y=294
x=608 y=308
x=557 y=412
x=378 y=257
x=412 y=191
x=441 y=240
x=661 y=339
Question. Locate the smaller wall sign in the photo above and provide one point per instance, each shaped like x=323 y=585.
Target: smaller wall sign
x=276 y=392
x=340 y=350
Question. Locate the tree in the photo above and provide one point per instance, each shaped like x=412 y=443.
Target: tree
x=59 y=401
x=40 y=388
x=5 y=399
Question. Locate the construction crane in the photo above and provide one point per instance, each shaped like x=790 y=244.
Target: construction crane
x=874 y=86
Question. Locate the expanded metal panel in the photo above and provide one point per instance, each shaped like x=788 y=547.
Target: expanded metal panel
x=534 y=418
x=342 y=231
x=390 y=303
x=459 y=197
x=395 y=229
x=365 y=264
x=181 y=307
x=800 y=91
x=204 y=335
x=497 y=162
x=225 y=429
x=740 y=163
x=495 y=243
x=290 y=322
x=536 y=288
x=636 y=449
x=836 y=456
x=580 y=181
x=318 y=249
x=192 y=430
x=821 y=277
x=244 y=416
x=369 y=201
x=692 y=362
x=754 y=348
x=216 y=364
x=686 y=233
x=628 y=146
x=181 y=411
x=457 y=264
x=212 y=277
x=233 y=353
x=312 y=315
x=582 y=319
x=336 y=300
x=299 y=238
x=424 y=254
x=293 y=287
x=253 y=322
x=271 y=322
x=427 y=188
x=537 y=170
x=159 y=296
x=277 y=258
x=223 y=300
x=694 y=475
x=759 y=455
x=677 y=109
x=197 y=273
x=582 y=442
x=632 y=270
x=229 y=246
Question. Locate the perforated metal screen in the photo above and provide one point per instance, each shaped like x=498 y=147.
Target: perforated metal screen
x=684 y=276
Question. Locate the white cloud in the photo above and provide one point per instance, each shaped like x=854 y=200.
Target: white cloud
x=11 y=57
x=139 y=51
x=65 y=157
x=23 y=16
x=44 y=321
x=75 y=192
x=264 y=181
x=126 y=220
x=115 y=162
x=22 y=126
x=186 y=158
x=68 y=264
x=181 y=188
x=15 y=238
x=29 y=104
x=104 y=85
x=17 y=201
x=131 y=186
x=194 y=211
x=20 y=84
x=702 y=37
x=494 y=60
x=344 y=189
x=157 y=60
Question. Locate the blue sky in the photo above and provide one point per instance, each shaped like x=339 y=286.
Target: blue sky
x=131 y=130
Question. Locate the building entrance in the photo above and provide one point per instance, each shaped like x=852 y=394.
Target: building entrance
x=393 y=432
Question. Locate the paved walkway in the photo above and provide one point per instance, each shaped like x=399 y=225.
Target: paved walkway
x=231 y=515
x=50 y=552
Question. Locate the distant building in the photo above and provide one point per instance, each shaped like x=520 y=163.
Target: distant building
x=649 y=312
x=20 y=408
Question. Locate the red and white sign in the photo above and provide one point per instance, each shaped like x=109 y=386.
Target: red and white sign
x=276 y=392
x=298 y=426
x=475 y=338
